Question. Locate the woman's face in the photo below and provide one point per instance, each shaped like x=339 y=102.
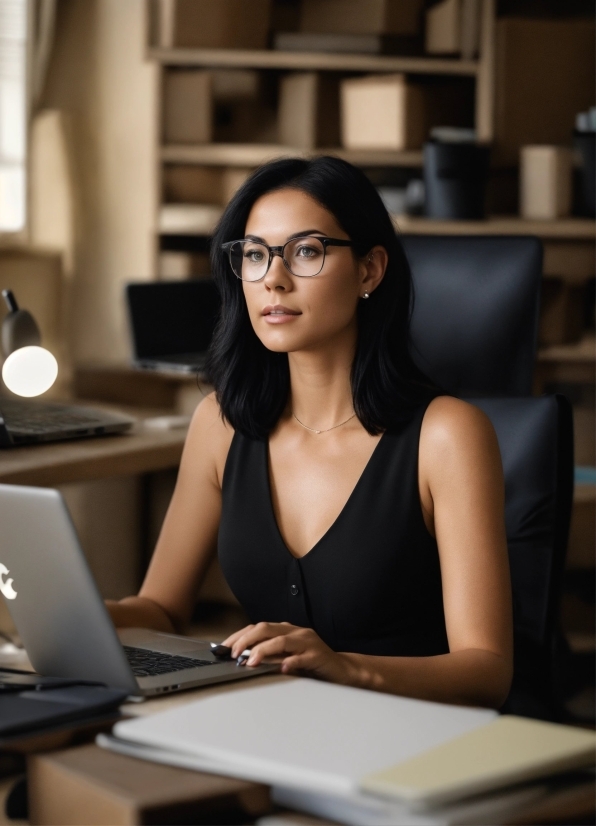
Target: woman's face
x=291 y=313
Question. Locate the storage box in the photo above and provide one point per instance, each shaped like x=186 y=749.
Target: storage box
x=215 y=24
x=402 y=17
x=544 y=75
x=187 y=106
x=452 y=27
x=545 y=182
x=89 y=785
x=308 y=113
x=175 y=266
x=191 y=184
x=382 y=112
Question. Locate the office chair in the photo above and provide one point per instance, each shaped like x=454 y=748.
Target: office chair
x=474 y=324
x=536 y=441
x=474 y=331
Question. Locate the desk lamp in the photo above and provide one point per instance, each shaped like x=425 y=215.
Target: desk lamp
x=29 y=369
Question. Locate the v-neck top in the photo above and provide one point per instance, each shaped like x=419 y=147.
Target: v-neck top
x=370 y=585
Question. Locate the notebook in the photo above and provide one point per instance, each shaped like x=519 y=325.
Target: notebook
x=508 y=750
x=172 y=323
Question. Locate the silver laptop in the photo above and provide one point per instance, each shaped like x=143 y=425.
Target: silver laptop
x=25 y=421
x=172 y=323
x=61 y=617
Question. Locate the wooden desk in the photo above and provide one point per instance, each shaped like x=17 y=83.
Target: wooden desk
x=80 y=460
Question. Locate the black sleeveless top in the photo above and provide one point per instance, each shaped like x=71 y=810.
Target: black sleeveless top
x=371 y=584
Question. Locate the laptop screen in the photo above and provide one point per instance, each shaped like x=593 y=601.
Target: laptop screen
x=172 y=317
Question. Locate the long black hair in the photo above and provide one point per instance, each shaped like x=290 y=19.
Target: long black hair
x=251 y=382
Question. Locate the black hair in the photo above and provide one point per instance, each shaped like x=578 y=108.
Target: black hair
x=251 y=382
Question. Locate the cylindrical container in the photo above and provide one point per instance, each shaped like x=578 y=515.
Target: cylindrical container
x=585 y=145
x=455 y=175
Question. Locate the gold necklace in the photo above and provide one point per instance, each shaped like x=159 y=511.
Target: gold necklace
x=312 y=430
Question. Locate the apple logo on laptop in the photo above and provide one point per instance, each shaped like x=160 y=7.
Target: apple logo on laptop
x=6 y=587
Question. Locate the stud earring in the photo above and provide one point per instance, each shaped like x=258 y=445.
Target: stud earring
x=366 y=295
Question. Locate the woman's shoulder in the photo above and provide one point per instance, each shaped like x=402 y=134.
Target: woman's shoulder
x=210 y=435
x=450 y=422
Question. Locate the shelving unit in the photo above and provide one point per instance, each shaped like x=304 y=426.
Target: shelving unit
x=247 y=156
x=568 y=243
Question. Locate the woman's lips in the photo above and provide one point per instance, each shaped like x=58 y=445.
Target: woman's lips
x=278 y=314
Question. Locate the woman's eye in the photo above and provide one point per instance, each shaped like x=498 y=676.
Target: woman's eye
x=307 y=252
x=256 y=256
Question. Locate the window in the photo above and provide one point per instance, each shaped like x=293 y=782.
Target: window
x=13 y=114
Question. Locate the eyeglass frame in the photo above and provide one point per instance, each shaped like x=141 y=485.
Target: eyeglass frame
x=279 y=250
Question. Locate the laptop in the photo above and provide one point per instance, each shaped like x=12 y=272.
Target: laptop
x=172 y=323
x=62 y=620
x=24 y=421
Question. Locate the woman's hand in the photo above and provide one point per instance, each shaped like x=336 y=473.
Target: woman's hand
x=300 y=650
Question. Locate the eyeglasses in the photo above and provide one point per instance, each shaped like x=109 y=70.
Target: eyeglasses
x=304 y=256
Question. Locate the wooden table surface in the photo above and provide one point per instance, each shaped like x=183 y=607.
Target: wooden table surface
x=141 y=451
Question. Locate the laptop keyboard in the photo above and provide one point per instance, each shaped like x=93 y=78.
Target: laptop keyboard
x=146 y=663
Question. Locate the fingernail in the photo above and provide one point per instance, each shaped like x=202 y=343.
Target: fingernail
x=251 y=661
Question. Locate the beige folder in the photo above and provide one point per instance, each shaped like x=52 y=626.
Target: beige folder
x=506 y=751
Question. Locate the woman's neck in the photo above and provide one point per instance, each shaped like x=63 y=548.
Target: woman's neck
x=320 y=387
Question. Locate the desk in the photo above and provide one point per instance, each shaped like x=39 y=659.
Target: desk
x=79 y=785
x=80 y=460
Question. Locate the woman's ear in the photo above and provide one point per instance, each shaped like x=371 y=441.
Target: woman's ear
x=373 y=269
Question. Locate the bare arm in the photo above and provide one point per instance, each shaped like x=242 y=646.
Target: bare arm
x=462 y=494
x=188 y=538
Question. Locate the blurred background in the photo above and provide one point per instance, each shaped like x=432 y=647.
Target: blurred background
x=127 y=125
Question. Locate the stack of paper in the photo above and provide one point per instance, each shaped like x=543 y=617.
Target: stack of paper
x=358 y=756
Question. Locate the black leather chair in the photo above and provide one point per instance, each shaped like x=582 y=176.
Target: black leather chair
x=536 y=442
x=474 y=332
x=475 y=316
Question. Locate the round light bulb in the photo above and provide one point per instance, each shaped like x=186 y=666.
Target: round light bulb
x=30 y=371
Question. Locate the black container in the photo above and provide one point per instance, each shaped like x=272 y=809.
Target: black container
x=585 y=145
x=455 y=176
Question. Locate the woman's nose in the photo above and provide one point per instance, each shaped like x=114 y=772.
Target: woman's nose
x=278 y=278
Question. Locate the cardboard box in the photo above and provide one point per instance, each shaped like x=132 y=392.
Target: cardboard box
x=176 y=266
x=401 y=17
x=308 y=112
x=191 y=184
x=382 y=112
x=545 y=182
x=212 y=24
x=89 y=785
x=453 y=27
x=544 y=75
x=187 y=106
x=232 y=179
x=443 y=28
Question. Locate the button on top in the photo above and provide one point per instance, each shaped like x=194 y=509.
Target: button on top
x=294 y=590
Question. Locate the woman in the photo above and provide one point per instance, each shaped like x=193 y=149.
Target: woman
x=357 y=513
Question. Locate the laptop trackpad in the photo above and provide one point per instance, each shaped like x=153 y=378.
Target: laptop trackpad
x=164 y=643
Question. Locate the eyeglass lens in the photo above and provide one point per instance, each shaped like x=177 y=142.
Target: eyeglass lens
x=302 y=256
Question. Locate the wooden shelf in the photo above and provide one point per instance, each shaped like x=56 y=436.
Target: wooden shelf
x=255 y=154
x=583 y=229
x=188 y=219
x=319 y=61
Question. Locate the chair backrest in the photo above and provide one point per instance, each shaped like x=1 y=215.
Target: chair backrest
x=536 y=442
x=475 y=318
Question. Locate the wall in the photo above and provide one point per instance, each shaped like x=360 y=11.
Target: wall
x=107 y=93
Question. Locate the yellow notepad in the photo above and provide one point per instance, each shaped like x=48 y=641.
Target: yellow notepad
x=506 y=751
